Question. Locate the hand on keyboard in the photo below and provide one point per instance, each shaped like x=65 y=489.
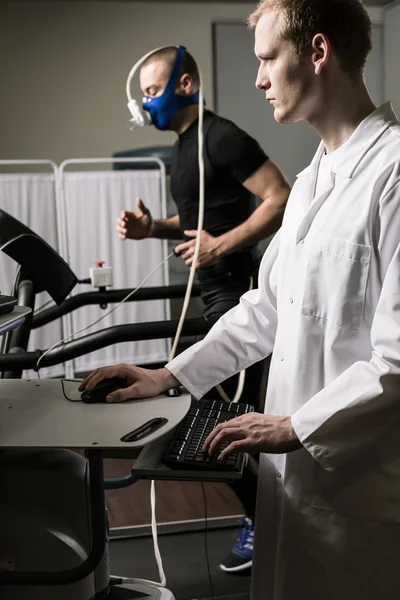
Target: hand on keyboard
x=185 y=450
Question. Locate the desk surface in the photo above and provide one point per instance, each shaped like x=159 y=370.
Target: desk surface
x=13 y=319
x=36 y=414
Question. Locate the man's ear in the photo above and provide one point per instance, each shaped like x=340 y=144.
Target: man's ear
x=185 y=85
x=321 y=51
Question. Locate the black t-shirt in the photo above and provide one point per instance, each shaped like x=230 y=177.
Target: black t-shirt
x=230 y=157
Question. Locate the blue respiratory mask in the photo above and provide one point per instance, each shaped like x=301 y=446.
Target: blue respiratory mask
x=163 y=108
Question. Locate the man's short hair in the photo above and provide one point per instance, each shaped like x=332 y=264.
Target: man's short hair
x=168 y=55
x=346 y=24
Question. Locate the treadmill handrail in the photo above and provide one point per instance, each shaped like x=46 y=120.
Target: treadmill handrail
x=100 y=339
x=108 y=297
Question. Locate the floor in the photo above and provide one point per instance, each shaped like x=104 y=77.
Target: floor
x=180 y=506
x=185 y=564
x=175 y=500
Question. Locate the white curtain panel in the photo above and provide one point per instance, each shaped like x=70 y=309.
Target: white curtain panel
x=93 y=201
x=30 y=198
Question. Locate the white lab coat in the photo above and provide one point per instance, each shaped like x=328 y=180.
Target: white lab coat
x=328 y=304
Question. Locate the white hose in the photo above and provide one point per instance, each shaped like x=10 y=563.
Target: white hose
x=241 y=380
x=200 y=221
x=186 y=301
x=163 y=579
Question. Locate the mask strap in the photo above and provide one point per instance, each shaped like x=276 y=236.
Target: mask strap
x=173 y=80
x=139 y=64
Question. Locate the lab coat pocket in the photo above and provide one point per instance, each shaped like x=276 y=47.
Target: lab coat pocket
x=336 y=282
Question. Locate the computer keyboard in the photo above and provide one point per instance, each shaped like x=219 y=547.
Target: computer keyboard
x=185 y=449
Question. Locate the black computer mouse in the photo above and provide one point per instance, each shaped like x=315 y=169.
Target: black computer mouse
x=102 y=389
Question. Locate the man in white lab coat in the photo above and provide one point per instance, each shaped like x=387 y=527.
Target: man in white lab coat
x=328 y=306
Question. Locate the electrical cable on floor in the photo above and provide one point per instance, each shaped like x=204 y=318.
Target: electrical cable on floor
x=163 y=580
x=206 y=541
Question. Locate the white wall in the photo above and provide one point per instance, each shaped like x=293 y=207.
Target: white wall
x=392 y=51
x=64 y=67
x=291 y=147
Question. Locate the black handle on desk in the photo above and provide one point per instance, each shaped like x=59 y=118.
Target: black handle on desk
x=144 y=430
x=164 y=292
x=101 y=339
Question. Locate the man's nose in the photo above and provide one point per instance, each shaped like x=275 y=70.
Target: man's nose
x=262 y=82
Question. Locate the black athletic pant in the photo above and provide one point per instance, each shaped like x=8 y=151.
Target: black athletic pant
x=222 y=285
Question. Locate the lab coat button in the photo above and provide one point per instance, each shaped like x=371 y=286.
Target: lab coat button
x=291 y=300
x=282 y=358
x=279 y=476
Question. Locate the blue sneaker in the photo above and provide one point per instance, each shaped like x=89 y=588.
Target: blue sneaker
x=241 y=556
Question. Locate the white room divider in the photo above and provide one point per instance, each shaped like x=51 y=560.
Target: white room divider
x=90 y=204
x=30 y=198
x=75 y=212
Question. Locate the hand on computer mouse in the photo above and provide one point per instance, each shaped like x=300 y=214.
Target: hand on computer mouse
x=102 y=390
x=141 y=383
